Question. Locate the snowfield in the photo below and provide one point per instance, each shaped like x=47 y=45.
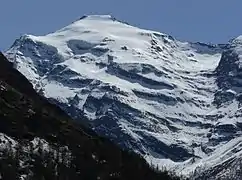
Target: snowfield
x=176 y=103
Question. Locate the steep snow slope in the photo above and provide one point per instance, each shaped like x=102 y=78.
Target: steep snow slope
x=144 y=90
x=39 y=141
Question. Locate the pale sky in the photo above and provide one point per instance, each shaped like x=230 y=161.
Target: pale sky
x=214 y=21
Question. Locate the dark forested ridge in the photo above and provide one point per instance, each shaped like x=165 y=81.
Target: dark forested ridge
x=25 y=115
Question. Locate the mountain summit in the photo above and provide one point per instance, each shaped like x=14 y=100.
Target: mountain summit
x=144 y=90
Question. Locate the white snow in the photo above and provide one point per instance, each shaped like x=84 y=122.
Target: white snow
x=6 y=142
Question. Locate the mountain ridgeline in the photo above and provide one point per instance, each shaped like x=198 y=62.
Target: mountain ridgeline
x=25 y=117
x=175 y=103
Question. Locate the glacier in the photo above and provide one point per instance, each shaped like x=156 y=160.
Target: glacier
x=176 y=103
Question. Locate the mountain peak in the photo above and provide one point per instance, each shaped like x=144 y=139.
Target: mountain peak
x=145 y=90
x=97 y=17
x=104 y=18
x=237 y=40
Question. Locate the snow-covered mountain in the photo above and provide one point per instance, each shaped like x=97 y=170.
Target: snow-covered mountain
x=176 y=103
x=39 y=141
